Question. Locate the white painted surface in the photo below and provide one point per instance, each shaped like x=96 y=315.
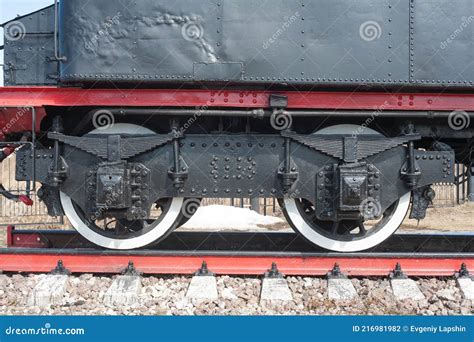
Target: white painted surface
x=406 y=289
x=202 y=287
x=49 y=291
x=466 y=286
x=123 y=291
x=275 y=289
x=341 y=289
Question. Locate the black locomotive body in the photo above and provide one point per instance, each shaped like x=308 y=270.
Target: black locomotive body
x=420 y=44
x=342 y=184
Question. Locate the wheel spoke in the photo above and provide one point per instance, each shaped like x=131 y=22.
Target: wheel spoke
x=121 y=227
x=362 y=229
x=335 y=228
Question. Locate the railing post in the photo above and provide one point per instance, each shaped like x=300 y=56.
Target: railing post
x=470 y=182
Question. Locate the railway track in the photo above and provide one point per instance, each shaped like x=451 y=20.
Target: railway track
x=432 y=275
x=238 y=254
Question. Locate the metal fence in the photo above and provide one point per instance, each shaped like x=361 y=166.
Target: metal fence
x=266 y=206
x=12 y=213
x=448 y=195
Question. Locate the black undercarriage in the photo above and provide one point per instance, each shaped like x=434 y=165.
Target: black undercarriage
x=338 y=172
x=347 y=176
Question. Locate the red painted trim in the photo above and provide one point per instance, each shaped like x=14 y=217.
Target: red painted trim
x=18 y=118
x=52 y=96
x=18 y=259
x=237 y=265
x=10 y=236
x=24 y=240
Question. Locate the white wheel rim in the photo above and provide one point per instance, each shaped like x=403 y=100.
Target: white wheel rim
x=372 y=240
x=157 y=230
x=137 y=242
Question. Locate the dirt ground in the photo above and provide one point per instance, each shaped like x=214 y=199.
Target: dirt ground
x=459 y=218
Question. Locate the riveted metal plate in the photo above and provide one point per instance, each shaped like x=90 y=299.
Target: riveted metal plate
x=27 y=57
x=218 y=71
x=330 y=42
x=443 y=42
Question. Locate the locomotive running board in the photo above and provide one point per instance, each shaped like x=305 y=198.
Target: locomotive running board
x=237 y=254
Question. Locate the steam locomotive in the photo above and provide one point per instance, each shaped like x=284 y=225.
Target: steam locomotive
x=345 y=111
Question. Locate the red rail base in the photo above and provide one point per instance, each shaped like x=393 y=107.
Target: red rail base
x=28 y=252
x=16 y=261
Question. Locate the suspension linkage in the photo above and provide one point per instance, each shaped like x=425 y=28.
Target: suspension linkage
x=4 y=192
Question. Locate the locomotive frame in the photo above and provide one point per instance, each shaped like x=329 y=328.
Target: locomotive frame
x=112 y=144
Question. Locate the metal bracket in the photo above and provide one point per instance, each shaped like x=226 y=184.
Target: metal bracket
x=397 y=273
x=204 y=271
x=463 y=272
x=60 y=269
x=422 y=198
x=56 y=24
x=274 y=273
x=470 y=178
x=179 y=171
x=411 y=171
x=130 y=270
x=288 y=173
x=59 y=171
x=336 y=273
x=278 y=101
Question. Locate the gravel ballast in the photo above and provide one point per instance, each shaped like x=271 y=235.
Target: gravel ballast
x=237 y=296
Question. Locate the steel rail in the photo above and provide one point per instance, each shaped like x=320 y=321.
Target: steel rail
x=251 y=242
x=237 y=254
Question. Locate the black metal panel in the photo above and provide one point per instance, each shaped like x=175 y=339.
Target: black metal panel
x=326 y=42
x=238 y=165
x=129 y=40
x=443 y=42
x=28 y=55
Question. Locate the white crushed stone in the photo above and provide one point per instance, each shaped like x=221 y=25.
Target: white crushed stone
x=237 y=296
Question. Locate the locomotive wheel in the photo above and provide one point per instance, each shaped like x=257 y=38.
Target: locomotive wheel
x=348 y=235
x=344 y=236
x=123 y=234
x=188 y=209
